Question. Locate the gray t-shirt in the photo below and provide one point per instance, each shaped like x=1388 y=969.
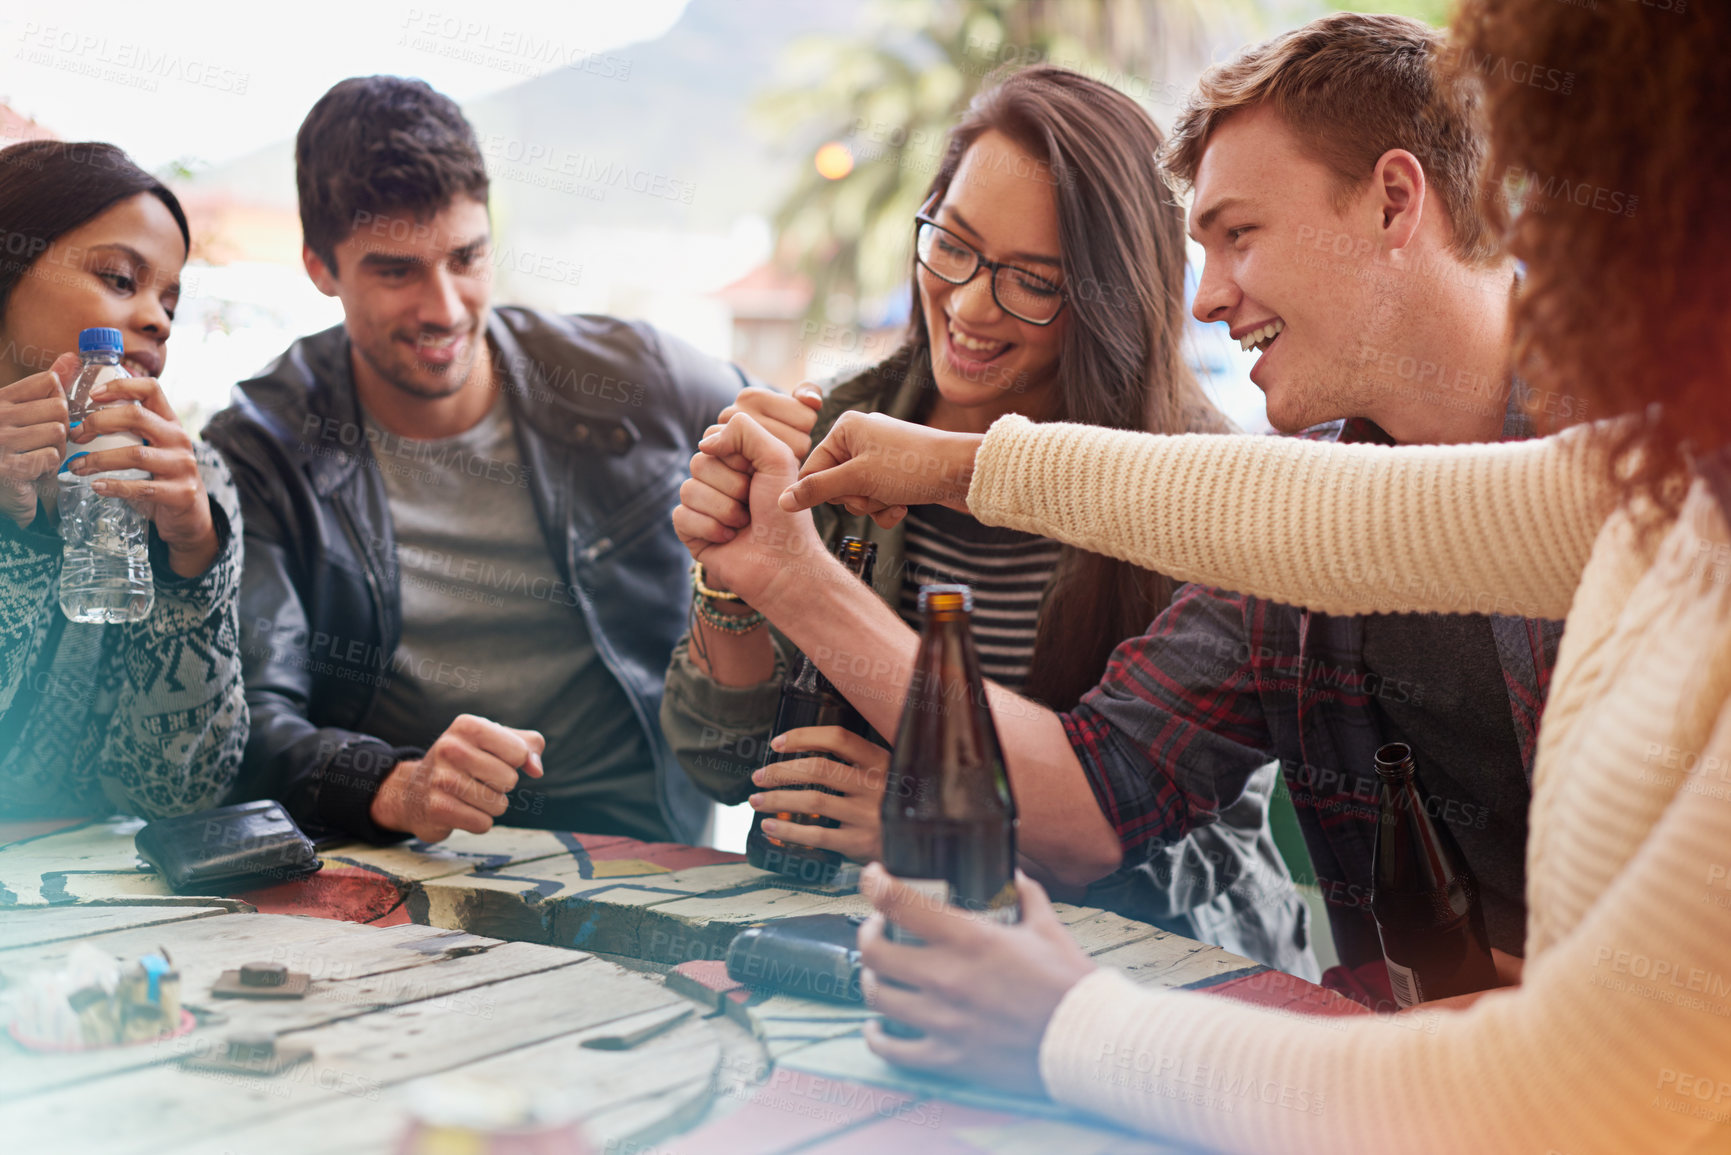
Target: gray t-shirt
x=490 y=628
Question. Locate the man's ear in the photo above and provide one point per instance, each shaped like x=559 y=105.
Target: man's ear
x=1398 y=195
x=324 y=277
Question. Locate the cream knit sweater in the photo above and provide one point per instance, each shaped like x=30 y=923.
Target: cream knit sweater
x=1619 y=1038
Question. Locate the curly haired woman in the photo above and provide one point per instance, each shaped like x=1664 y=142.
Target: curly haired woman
x=1618 y=1038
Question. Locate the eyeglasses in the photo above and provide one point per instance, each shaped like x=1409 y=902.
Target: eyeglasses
x=1023 y=295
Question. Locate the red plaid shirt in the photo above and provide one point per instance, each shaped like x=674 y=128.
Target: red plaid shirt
x=1222 y=682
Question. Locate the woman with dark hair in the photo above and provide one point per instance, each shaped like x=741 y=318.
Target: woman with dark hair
x=1616 y=1039
x=1048 y=280
x=147 y=718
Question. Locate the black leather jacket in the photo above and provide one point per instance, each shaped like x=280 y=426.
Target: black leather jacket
x=607 y=414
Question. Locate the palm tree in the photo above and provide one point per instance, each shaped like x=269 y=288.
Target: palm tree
x=890 y=95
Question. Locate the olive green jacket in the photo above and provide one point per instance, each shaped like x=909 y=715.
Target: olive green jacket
x=718 y=732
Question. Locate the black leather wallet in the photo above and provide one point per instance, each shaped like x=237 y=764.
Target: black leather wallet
x=228 y=849
x=813 y=955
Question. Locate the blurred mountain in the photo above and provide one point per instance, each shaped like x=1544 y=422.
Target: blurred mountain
x=655 y=135
x=670 y=146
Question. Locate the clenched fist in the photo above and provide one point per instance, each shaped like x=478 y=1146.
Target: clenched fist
x=462 y=781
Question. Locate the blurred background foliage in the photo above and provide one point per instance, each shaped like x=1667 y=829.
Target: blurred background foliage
x=872 y=108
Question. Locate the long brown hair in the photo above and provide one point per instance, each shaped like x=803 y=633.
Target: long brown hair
x=1623 y=188
x=1120 y=364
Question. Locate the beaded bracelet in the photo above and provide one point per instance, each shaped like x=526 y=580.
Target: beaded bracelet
x=705 y=592
x=726 y=623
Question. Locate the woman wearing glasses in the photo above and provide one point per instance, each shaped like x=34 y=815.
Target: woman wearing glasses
x=1048 y=281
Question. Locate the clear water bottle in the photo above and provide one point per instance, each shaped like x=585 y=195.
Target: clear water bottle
x=105 y=576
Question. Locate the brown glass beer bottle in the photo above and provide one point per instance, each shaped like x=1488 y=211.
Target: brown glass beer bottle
x=1424 y=898
x=808 y=699
x=949 y=819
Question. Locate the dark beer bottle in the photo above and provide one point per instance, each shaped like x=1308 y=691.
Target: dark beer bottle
x=1425 y=900
x=808 y=699
x=949 y=819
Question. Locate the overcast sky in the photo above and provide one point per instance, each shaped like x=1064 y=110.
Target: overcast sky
x=209 y=81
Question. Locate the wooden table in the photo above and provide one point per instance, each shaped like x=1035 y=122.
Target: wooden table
x=567 y=935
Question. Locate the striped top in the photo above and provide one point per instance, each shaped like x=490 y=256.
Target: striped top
x=1008 y=570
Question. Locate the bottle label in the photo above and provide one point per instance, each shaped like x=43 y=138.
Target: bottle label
x=1407 y=990
x=97 y=445
x=102 y=376
x=75 y=450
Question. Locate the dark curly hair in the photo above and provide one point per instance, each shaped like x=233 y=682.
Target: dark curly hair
x=50 y=187
x=1616 y=199
x=381 y=145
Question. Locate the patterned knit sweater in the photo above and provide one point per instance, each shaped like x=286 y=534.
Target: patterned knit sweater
x=1619 y=1038
x=147 y=718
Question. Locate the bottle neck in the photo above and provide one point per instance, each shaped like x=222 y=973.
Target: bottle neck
x=860 y=564
x=946 y=661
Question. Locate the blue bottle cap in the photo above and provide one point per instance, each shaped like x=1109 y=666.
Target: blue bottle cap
x=101 y=341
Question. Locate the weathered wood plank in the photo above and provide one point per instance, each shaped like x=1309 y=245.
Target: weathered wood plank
x=629 y=1101
x=784 y=1022
x=926 y=1126
x=534 y=903
x=699 y=927
x=355 y=970
x=1101 y=930
x=512 y=850
x=791 y=1109
x=36 y=926
x=1172 y=961
x=91 y=860
x=338 y=891
x=358 y=1058
x=11 y=832
x=850 y=1060
x=498 y=849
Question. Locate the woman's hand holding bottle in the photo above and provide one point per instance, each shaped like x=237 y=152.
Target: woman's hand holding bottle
x=33 y=421
x=173 y=496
